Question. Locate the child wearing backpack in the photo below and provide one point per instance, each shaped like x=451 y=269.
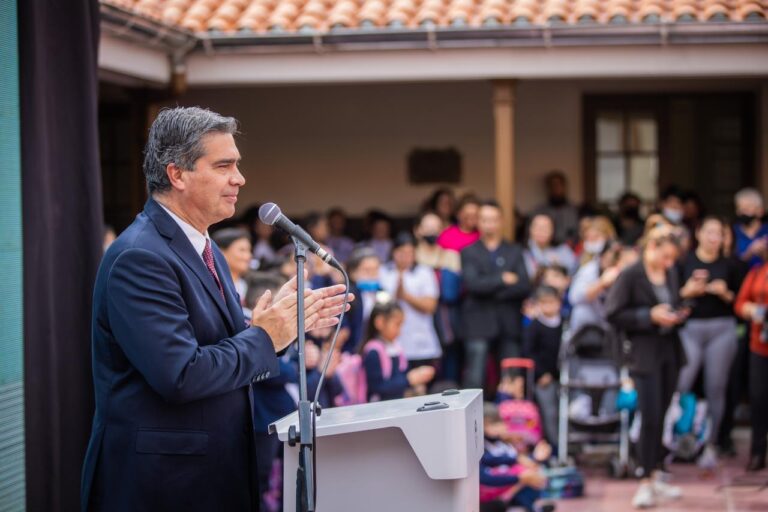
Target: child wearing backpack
x=386 y=368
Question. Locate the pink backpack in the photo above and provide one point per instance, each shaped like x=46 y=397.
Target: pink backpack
x=523 y=419
x=351 y=373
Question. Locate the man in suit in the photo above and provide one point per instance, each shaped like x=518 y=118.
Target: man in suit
x=173 y=358
x=495 y=283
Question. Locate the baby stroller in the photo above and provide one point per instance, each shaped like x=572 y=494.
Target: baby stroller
x=591 y=373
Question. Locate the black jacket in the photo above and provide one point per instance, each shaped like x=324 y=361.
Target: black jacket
x=628 y=305
x=491 y=309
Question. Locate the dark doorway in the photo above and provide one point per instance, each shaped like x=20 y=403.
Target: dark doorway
x=701 y=142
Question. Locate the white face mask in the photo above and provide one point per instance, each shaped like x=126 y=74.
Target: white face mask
x=673 y=216
x=594 y=246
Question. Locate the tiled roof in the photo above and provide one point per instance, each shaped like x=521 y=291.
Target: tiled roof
x=281 y=16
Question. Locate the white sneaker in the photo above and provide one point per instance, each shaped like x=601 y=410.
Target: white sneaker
x=665 y=491
x=708 y=458
x=644 y=497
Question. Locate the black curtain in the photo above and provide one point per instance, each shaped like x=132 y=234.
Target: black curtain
x=62 y=223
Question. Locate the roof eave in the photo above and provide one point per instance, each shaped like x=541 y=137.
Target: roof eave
x=484 y=37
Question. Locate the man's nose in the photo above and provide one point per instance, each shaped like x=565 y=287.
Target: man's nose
x=238 y=179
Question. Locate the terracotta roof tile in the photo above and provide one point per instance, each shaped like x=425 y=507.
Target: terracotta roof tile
x=260 y=16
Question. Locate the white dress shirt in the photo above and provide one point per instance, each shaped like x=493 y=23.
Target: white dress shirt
x=196 y=238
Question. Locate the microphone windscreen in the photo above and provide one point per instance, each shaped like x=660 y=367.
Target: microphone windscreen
x=268 y=213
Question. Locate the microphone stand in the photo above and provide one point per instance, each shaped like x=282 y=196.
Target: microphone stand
x=305 y=493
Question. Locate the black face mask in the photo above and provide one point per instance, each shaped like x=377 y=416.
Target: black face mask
x=745 y=219
x=430 y=239
x=631 y=212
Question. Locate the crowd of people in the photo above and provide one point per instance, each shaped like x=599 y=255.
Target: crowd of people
x=442 y=303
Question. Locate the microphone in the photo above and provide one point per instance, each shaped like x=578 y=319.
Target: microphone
x=270 y=214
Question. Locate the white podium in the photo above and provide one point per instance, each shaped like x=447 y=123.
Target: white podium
x=415 y=454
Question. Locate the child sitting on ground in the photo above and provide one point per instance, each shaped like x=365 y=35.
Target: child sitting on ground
x=507 y=478
x=386 y=368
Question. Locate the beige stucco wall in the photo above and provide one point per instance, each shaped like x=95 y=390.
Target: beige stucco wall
x=311 y=147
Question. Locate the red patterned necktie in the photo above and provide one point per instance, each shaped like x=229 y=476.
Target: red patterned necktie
x=208 y=259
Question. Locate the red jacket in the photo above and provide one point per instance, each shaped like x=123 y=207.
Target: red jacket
x=754 y=289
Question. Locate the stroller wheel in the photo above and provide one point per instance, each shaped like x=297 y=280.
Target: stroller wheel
x=616 y=469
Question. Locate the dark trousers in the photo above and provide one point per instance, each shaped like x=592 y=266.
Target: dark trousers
x=267 y=449
x=654 y=394
x=758 y=397
x=476 y=356
x=738 y=383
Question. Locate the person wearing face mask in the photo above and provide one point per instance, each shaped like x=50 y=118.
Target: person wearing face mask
x=671 y=205
x=644 y=303
x=447 y=267
x=564 y=215
x=750 y=232
x=363 y=269
x=597 y=233
x=591 y=284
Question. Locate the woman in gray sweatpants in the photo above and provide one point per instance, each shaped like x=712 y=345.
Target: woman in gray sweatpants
x=709 y=337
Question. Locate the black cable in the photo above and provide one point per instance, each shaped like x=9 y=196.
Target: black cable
x=314 y=404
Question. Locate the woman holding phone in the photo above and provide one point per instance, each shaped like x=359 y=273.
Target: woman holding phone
x=709 y=336
x=644 y=303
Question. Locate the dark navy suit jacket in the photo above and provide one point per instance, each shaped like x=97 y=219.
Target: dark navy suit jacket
x=173 y=364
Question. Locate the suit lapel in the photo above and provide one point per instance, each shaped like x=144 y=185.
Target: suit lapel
x=181 y=245
x=233 y=306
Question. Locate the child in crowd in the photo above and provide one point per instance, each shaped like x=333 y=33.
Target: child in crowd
x=552 y=276
x=541 y=343
x=363 y=268
x=386 y=368
x=507 y=477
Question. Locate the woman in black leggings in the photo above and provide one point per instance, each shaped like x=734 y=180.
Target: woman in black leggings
x=644 y=303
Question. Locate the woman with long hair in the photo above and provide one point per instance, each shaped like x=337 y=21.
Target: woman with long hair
x=644 y=303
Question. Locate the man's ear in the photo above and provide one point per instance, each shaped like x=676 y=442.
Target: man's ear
x=175 y=176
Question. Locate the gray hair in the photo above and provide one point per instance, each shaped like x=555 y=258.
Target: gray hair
x=176 y=138
x=749 y=195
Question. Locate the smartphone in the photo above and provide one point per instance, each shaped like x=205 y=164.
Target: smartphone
x=701 y=274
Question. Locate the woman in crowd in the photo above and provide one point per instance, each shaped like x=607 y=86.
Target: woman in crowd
x=442 y=203
x=752 y=304
x=644 y=303
x=540 y=251
x=598 y=232
x=416 y=289
x=709 y=336
x=592 y=282
x=464 y=233
x=235 y=245
x=378 y=226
